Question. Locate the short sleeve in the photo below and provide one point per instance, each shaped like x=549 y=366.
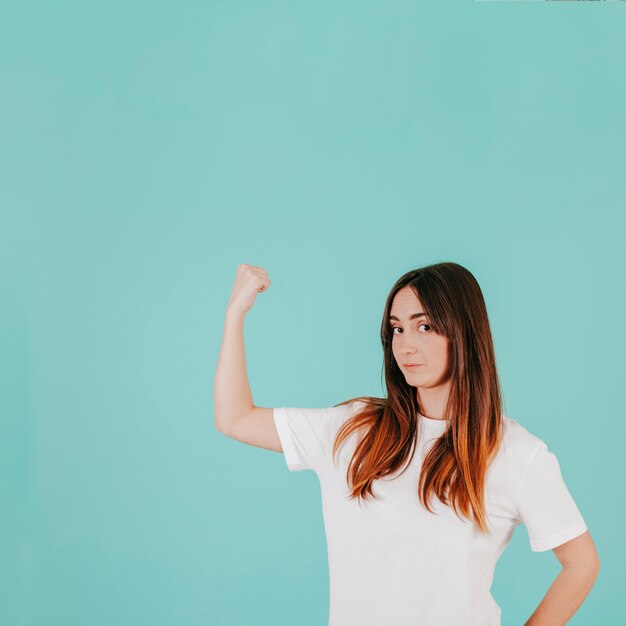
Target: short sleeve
x=545 y=505
x=307 y=435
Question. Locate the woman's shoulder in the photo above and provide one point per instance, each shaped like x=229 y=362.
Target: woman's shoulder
x=518 y=443
x=358 y=404
x=518 y=447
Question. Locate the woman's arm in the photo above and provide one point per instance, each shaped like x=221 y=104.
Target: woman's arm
x=231 y=391
x=232 y=396
x=567 y=592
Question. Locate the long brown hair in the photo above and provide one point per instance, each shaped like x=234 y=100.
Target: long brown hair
x=454 y=468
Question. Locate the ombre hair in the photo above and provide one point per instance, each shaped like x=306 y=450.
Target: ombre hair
x=454 y=468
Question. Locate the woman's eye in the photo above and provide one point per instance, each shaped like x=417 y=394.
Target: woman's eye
x=393 y=328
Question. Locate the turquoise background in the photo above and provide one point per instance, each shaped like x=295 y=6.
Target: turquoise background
x=149 y=148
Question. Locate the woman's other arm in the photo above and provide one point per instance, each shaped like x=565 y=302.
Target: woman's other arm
x=569 y=589
x=235 y=413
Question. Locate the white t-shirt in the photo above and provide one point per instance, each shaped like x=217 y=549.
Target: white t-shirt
x=392 y=562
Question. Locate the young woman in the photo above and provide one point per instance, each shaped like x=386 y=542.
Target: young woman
x=423 y=489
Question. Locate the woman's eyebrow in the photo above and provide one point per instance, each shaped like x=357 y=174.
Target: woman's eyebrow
x=414 y=316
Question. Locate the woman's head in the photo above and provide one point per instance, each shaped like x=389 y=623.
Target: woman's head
x=435 y=316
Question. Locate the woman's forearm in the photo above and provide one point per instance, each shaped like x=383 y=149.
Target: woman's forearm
x=231 y=392
x=564 y=597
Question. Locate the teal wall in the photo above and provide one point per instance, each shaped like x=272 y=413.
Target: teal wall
x=148 y=148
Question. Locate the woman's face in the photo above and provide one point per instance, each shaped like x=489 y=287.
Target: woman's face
x=414 y=341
